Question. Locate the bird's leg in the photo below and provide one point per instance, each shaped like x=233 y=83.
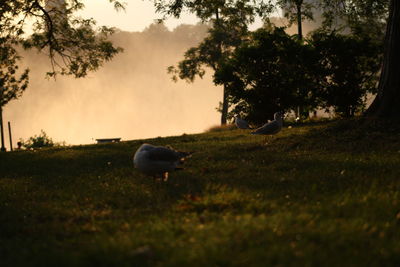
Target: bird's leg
x=165 y=176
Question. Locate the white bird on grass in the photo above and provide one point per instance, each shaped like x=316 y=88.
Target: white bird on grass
x=271 y=127
x=241 y=123
x=158 y=161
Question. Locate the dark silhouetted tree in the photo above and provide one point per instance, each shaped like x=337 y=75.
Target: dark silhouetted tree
x=271 y=71
x=350 y=67
x=387 y=101
x=73 y=44
x=12 y=83
x=228 y=26
x=296 y=11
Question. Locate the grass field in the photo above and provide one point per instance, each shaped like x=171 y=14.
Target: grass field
x=320 y=194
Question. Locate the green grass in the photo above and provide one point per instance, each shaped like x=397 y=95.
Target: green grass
x=322 y=194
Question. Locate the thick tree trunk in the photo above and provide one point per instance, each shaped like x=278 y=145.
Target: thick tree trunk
x=387 y=102
x=225 y=105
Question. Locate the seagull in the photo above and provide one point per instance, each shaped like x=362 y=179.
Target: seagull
x=157 y=161
x=271 y=127
x=241 y=124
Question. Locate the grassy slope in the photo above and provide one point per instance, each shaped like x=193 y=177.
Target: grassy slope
x=316 y=194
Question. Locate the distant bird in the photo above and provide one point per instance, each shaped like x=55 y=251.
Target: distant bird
x=241 y=124
x=271 y=127
x=158 y=161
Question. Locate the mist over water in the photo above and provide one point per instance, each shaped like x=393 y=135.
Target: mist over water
x=131 y=97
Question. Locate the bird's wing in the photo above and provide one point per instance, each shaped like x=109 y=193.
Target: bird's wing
x=268 y=128
x=167 y=154
x=163 y=154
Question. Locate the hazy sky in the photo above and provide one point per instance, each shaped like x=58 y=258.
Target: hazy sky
x=138 y=15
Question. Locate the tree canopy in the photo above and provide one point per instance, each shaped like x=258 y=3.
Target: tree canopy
x=270 y=71
x=74 y=45
x=12 y=83
x=228 y=20
x=363 y=20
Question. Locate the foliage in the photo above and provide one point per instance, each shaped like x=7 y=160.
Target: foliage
x=350 y=70
x=211 y=52
x=38 y=141
x=291 y=9
x=205 y=10
x=11 y=86
x=361 y=17
x=316 y=194
x=272 y=71
x=228 y=21
x=387 y=102
x=73 y=45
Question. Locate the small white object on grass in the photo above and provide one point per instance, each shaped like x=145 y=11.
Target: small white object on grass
x=158 y=161
x=271 y=127
x=241 y=124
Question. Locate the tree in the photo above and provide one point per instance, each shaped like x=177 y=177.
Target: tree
x=387 y=101
x=228 y=20
x=73 y=44
x=296 y=11
x=211 y=52
x=11 y=86
x=350 y=66
x=359 y=17
x=271 y=71
x=369 y=16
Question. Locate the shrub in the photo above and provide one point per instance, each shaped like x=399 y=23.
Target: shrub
x=38 y=141
x=350 y=66
x=271 y=72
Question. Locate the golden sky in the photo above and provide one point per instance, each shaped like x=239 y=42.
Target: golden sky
x=138 y=15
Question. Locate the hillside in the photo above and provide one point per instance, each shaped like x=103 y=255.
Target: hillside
x=316 y=194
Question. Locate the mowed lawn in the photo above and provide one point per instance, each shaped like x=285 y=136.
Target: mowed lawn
x=320 y=194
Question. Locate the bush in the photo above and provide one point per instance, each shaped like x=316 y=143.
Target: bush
x=271 y=72
x=38 y=141
x=350 y=66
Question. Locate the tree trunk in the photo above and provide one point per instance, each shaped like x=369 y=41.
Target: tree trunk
x=9 y=134
x=387 y=102
x=299 y=22
x=224 y=111
x=3 y=148
x=299 y=112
